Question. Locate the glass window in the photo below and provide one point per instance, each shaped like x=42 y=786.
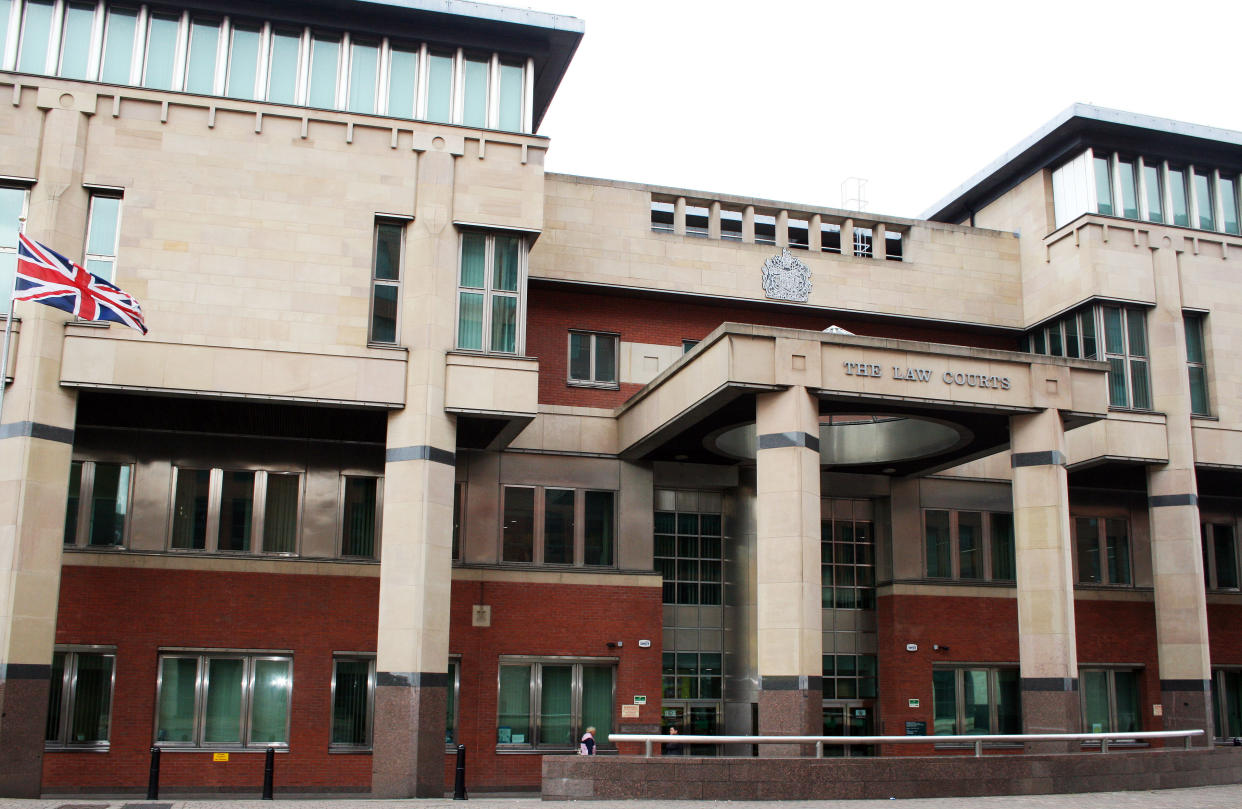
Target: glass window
x=598 y=529
x=1103 y=186
x=1110 y=700
x=847 y=564
x=1204 y=200
x=1103 y=550
x=662 y=217
x=765 y=229
x=243 y=63
x=1196 y=364
x=189 y=518
x=512 y=92
x=936 y=533
x=976 y=701
x=519 y=524
x=1004 y=563
x=236 y=511
x=402 y=81
x=1227 y=695
x=75 y=46
x=363 y=76
x=353 y=701
x=830 y=237
x=689 y=554
x=200 y=74
x=98 y=506
x=1179 y=207
x=970 y=544
x=440 y=87
x=102 y=233
x=245 y=700
x=1125 y=347
x=325 y=61
x=474 y=81
x=730 y=225
x=360 y=510
x=162 y=33
x=36 y=31
x=1129 y=188
x=224 y=510
x=80 y=698
x=1154 y=192
x=799 y=233
x=892 y=246
x=593 y=359
x=550 y=703
x=697 y=221
x=12 y=207
x=1220 y=556
x=459 y=510
x=118 y=50
x=282 y=79
x=558 y=526
x=386 y=281
x=280 y=513
x=1229 y=205
x=454 y=699
x=490 y=287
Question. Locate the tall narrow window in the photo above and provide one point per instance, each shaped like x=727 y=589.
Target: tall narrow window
x=593 y=359
x=162 y=32
x=1103 y=550
x=75 y=47
x=236 y=511
x=280 y=513
x=765 y=229
x=454 y=699
x=118 y=46
x=353 y=701
x=12 y=207
x=102 y=233
x=80 y=698
x=325 y=62
x=1229 y=205
x=830 y=237
x=282 y=75
x=360 y=510
x=1103 y=186
x=1227 y=696
x=200 y=75
x=243 y=63
x=518 y=526
x=558 y=526
x=97 y=511
x=1125 y=348
x=402 y=81
x=474 y=91
x=386 y=282
x=1154 y=192
x=1220 y=556
x=189 y=518
x=1179 y=206
x=1204 y=199
x=490 y=284
x=597 y=533
x=936 y=532
x=1196 y=364
x=1129 y=189
x=970 y=544
x=363 y=76
x=36 y=31
x=440 y=87
x=1004 y=565
x=512 y=95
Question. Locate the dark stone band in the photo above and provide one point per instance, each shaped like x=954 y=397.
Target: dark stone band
x=1052 y=457
x=412 y=679
x=421 y=452
x=780 y=440
x=791 y=683
x=33 y=429
x=1186 y=685
x=25 y=671
x=1053 y=684
x=1164 y=500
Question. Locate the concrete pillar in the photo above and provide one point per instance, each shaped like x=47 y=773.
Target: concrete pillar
x=847 y=237
x=713 y=220
x=788 y=602
x=878 y=247
x=36 y=446
x=679 y=216
x=1046 y=637
x=814 y=235
x=782 y=229
x=1173 y=506
x=748 y=224
x=411 y=694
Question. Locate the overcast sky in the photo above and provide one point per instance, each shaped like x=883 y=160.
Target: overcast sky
x=785 y=99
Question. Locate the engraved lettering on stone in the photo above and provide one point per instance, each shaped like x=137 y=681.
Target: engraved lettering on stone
x=785 y=278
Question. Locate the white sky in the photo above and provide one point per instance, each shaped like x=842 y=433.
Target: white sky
x=784 y=99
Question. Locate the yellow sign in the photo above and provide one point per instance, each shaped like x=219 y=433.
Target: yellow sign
x=219 y=756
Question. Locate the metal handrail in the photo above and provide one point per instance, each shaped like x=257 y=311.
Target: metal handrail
x=849 y=741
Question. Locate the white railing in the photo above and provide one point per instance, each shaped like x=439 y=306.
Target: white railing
x=849 y=741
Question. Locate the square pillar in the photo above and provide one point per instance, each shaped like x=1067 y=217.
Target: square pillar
x=789 y=604
x=1046 y=638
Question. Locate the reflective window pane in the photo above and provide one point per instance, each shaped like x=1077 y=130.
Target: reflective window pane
x=938 y=544
x=556 y=706
x=1004 y=567
x=605 y=358
x=440 y=87
x=519 y=525
x=1179 y=207
x=558 y=526
x=325 y=58
x=504 y=324
x=1087 y=534
x=473 y=260
x=1204 y=200
x=513 y=716
x=402 y=81
x=944 y=703
x=200 y=76
x=223 y=716
x=1129 y=189
x=350 y=702
x=388 y=252
x=73 y=501
x=36 y=29
x=358 y=520
x=363 y=77
x=118 y=53
x=1229 y=205
x=189 y=523
x=475 y=89
x=76 y=41
x=1226 y=556
x=506 y=259
x=597 y=701
x=236 y=511
x=92 y=698
x=105 y=217
x=1094 y=685
x=1117 y=551
x=969 y=542
x=1154 y=193
x=243 y=63
x=282 y=80
x=470 y=321
x=109 y=504
x=512 y=91
x=161 y=51
x=1103 y=186
x=384 y=305
x=280 y=513
x=269 y=708
x=598 y=531
x=1136 y=331
x=579 y=356
x=178 y=687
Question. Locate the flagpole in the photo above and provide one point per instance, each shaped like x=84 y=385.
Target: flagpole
x=8 y=329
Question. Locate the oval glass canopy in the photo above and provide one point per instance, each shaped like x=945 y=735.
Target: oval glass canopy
x=852 y=439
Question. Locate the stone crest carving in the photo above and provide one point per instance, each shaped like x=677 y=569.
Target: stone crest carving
x=785 y=278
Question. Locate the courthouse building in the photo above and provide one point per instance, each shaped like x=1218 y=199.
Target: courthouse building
x=429 y=446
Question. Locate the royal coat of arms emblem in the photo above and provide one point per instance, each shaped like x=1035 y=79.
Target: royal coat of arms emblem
x=785 y=278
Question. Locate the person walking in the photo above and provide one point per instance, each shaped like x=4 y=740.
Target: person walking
x=587 y=746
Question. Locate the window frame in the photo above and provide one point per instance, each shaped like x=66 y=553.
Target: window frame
x=1211 y=559
x=258 y=517
x=88 y=257
x=85 y=511
x=68 y=698
x=399 y=223
x=452 y=733
x=1102 y=549
x=986 y=563
x=993 y=671
x=538 y=525
x=592 y=382
x=489 y=294
x=1111 y=679
x=11 y=250
x=369 y=719
x=1195 y=321
x=379 y=517
x=201 y=689
x=535 y=665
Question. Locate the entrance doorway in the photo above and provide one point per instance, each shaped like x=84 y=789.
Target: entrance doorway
x=850 y=719
x=696 y=720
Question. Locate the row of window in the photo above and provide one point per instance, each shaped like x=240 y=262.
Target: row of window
x=252 y=59
x=1156 y=191
x=546 y=525
x=797 y=234
x=240 y=700
x=219 y=510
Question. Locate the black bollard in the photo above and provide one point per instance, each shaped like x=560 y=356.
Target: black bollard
x=153 y=780
x=459 y=783
x=269 y=764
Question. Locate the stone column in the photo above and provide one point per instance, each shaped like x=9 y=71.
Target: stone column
x=1173 y=506
x=1046 y=637
x=847 y=237
x=788 y=608
x=411 y=696
x=36 y=445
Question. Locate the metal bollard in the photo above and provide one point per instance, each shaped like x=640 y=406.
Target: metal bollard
x=153 y=780
x=459 y=783
x=269 y=764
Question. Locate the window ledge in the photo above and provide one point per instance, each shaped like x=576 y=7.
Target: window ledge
x=333 y=751
x=173 y=748
x=581 y=383
x=103 y=748
x=1203 y=417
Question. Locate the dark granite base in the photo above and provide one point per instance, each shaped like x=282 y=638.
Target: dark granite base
x=740 y=779
x=1188 y=709
x=23 y=724
x=407 y=760
x=1058 y=711
x=793 y=712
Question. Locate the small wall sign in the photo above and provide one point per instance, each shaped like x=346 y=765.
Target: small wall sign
x=629 y=711
x=219 y=756
x=640 y=700
x=913 y=703
x=1157 y=710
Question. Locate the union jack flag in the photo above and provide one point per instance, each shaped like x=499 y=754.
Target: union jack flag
x=45 y=276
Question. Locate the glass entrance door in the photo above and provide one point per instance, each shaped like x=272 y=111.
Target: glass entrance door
x=697 y=720
x=848 y=720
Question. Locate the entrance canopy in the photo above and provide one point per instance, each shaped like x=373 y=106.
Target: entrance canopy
x=886 y=406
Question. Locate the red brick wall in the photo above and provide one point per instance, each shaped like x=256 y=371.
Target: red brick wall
x=985 y=631
x=1225 y=634
x=140 y=611
x=551 y=313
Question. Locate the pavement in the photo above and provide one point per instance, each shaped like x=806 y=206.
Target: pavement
x=1218 y=797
